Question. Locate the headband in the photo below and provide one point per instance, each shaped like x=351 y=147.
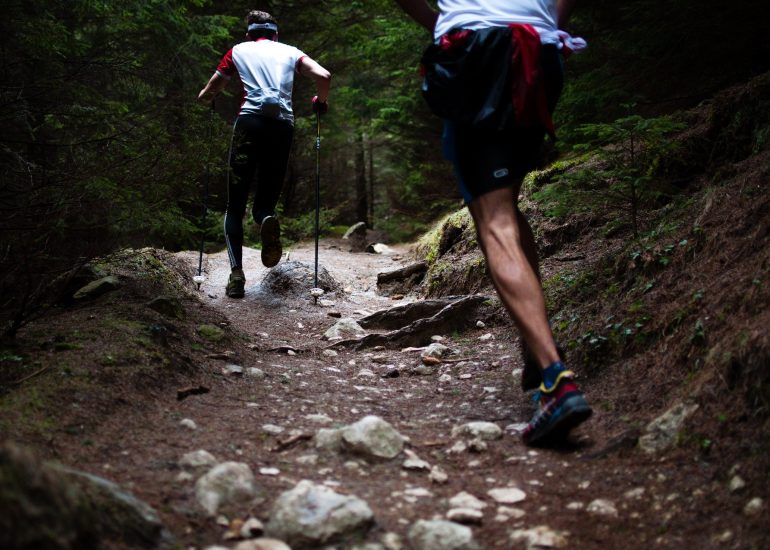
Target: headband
x=262 y=27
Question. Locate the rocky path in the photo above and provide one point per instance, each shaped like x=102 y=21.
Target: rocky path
x=303 y=444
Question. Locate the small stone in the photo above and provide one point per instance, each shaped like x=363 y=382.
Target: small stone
x=438 y=475
x=392 y=541
x=422 y=370
x=636 y=493
x=437 y=338
x=575 y=506
x=539 y=537
x=366 y=373
x=724 y=537
x=414 y=462
x=309 y=459
x=602 y=507
x=344 y=328
x=441 y=535
x=516 y=428
x=507 y=495
x=419 y=492
x=465 y=376
x=466 y=516
x=97 y=288
x=736 y=484
x=506 y=513
x=232 y=370
x=458 y=448
x=329 y=353
x=437 y=350
x=269 y=471
x=444 y=378
x=487 y=431
x=262 y=544
x=188 y=423
x=222 y=521
x=754 y=506
x=198 y=459
x=326 y=303
x=256 y=373
x=466 y=500
x=486 y=337
x=272 y=429
x=319 y=418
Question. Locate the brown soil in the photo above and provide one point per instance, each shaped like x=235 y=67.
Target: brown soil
x=122 y=422
x=94 y=385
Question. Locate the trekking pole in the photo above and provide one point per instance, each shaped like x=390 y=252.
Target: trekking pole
x=316 y=292
x=199 y=278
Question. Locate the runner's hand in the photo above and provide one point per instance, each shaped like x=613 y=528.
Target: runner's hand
x=319 y=107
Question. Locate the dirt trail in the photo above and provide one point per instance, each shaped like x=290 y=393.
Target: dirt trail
x=598 y=493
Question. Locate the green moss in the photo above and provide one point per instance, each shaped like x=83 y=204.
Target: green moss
x=430 y=244
x=25 y=410
x=211 y=333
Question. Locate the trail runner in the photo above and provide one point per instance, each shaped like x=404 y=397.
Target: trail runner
x=262 y=133
x=494 y=73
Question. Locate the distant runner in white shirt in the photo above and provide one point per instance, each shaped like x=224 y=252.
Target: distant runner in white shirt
x=262 y=134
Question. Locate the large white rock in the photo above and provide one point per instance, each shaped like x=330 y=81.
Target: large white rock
x=310 y=515
x=662 y=432
x=372 y=437
x=229 y=482
x=441 y=535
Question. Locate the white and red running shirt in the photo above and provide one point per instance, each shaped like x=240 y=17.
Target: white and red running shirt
x=480 y=14
x=266 y=69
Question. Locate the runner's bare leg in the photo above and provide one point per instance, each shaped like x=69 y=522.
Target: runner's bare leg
x=508 y=245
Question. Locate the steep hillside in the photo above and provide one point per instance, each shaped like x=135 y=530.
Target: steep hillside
x=679 y=313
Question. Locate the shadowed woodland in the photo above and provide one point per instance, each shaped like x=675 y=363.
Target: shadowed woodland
x=650 y=212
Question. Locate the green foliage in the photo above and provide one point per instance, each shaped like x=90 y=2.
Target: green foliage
x=100 y=145
x=625 y=173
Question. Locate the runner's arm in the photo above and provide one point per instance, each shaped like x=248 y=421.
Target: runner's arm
x=311 y=69
x=215 y=85
x=420 y=11
x=564 y=10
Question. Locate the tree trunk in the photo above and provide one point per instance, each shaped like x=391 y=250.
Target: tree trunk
x=362 y=209
x=370 y=221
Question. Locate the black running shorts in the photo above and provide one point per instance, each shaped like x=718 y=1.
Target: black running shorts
x=486 y=160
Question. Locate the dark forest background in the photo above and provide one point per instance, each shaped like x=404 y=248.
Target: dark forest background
x=103 y=146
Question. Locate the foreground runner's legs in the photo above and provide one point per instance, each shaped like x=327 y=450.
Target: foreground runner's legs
x=503 y=233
